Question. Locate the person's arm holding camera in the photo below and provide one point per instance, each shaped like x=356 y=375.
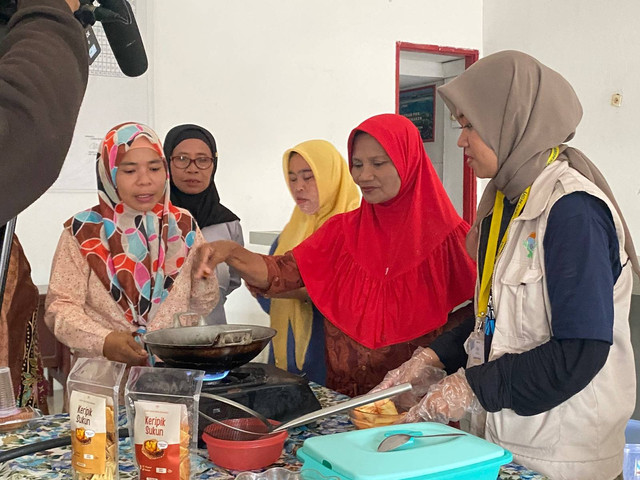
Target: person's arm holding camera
x=43 y=76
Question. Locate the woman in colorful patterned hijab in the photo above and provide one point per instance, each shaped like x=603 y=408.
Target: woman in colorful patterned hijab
x=126 y=254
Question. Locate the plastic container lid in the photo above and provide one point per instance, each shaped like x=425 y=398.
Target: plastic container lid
x=354 y=455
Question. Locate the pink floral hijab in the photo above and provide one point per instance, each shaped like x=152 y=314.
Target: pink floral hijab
x=136 y=255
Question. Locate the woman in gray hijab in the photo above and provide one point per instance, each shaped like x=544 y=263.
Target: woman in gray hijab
x=549 y=350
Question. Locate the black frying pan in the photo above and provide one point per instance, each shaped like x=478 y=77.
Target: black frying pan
x=215 y=348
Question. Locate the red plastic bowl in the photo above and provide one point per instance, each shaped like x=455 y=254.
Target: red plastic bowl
x=243 y=454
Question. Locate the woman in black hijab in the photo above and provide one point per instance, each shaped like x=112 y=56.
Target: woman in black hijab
x=193 y=161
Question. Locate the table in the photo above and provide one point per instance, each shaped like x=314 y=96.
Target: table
x=56 y=463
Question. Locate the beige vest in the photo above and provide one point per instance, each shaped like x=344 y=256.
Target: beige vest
x=582 y=438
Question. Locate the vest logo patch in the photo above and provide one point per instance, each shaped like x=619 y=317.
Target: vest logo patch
x=530 y=244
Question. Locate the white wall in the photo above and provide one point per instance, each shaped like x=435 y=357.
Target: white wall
x=594 y=45
x=264 y=75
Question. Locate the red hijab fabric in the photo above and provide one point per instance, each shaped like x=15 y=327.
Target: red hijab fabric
x=391 y=272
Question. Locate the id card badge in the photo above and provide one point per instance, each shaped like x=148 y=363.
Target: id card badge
x=474 y=346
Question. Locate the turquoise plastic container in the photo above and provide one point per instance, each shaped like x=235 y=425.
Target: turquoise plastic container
x=354 y=456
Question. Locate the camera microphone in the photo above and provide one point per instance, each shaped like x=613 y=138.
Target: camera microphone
x=89 y=13
x=121 y=30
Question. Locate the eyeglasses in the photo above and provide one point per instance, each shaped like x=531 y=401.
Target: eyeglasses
x=183 y=162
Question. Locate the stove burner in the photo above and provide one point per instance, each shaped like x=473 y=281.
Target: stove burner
x=214 y=377
x=245 y=376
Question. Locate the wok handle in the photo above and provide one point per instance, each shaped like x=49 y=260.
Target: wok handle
x=341 y=407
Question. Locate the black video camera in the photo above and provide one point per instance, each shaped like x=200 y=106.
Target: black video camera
x=119 y=26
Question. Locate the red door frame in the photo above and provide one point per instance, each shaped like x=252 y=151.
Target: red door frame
x=470 y=57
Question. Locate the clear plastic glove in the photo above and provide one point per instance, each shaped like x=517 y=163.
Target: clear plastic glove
x=422 y=370
x=446 y=401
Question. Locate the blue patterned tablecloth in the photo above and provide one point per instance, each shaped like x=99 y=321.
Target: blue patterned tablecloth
x=56 y=463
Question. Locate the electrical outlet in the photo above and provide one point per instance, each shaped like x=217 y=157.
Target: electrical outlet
x=616 y=100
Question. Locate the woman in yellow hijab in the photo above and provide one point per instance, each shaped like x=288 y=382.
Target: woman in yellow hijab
x=319 y=181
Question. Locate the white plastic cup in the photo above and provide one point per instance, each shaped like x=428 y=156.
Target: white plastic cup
x=7 y=396
x=631 y=467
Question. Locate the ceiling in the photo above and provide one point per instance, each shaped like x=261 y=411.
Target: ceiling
x=423 y=68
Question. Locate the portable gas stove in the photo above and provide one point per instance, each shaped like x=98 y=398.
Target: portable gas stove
x=275 y=393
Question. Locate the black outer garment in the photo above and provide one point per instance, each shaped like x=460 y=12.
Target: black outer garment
x=542 y=378
x=44 y=69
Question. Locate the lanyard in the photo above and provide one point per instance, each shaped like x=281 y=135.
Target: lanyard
x=494 y=231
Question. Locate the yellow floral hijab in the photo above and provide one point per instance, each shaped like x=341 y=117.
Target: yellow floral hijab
x=337 y=194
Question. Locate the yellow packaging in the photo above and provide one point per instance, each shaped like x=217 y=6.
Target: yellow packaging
x=91 y=418
x=93 y=386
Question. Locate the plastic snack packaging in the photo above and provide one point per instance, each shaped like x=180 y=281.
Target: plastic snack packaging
x=93 y=385
x=162 y=413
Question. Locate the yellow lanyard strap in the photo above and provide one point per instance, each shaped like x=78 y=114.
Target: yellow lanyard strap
x=494 y=231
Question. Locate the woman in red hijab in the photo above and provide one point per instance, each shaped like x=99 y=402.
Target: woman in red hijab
x=385 y=275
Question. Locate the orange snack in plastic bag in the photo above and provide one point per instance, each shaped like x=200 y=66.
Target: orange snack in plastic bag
x=377 y=414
